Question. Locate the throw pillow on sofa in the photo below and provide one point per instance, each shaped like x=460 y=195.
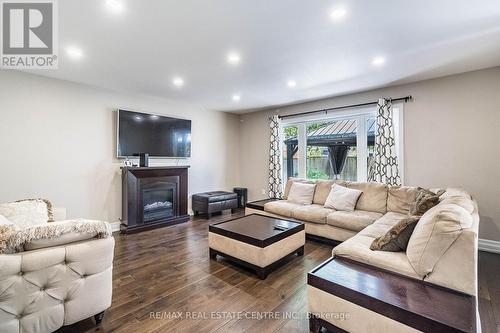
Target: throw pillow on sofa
x=425 y=200
x=396 y=239
x=25 y=213
x=301 y=193
x=342 y=198
x=5 y=221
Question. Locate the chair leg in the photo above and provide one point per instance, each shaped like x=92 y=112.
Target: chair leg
x=98 y=318
x=314 y=325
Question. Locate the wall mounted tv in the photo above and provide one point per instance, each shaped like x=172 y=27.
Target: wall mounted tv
x=158 y=136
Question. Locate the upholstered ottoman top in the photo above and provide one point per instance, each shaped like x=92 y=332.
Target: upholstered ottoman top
x=214 y=196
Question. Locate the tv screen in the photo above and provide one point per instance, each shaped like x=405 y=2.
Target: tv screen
x=159 y=136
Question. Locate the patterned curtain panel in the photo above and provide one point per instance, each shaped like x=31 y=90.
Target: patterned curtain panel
x=384 y=167
x=275 y=181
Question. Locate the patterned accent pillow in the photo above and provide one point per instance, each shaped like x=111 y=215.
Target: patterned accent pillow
x=25 y=213
x=396 y=239
x=425 y=200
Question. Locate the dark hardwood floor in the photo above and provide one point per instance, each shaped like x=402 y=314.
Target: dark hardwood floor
x=162 y=276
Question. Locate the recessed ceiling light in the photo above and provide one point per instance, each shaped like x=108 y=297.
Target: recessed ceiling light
x=233 y=58
x=115 y=6
x=236 y=98
x=138 y=118
x=154 y=117
x=291 y=83
x=74 y=52
x=178 y=81
x=338 y=13
x=378 y=61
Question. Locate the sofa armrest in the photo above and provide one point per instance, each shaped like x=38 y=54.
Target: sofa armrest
x=59 y=213
x=62 y=233
x=68 y=238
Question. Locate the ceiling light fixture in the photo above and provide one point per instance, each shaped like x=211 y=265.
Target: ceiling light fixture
x=291 y=84
x=115 y=6
x=236 y=98
x=74 y=52
x=378 y=61
x=178 y=81
x=233 y=58
x=338 y=13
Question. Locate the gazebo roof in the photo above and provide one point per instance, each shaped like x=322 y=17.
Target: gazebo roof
x=337 y=132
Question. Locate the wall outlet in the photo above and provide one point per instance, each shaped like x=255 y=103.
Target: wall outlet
x=263 y=192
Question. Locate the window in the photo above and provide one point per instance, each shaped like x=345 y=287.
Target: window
x=339 y=146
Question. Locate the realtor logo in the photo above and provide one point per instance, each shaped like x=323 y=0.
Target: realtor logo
x=29 y=34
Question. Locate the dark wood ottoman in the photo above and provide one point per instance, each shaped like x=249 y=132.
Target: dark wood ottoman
x=212 y=202
x=258 y=242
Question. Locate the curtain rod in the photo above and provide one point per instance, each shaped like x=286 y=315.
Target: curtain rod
x=404 y=99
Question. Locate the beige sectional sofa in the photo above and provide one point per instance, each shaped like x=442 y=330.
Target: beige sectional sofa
x=55 y=282
x=442 y=249
x=448 y=258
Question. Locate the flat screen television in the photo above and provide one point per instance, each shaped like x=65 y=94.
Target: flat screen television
x=158 y=136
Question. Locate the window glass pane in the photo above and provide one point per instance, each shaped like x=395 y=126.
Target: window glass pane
x=290 y=155
x=331 y=150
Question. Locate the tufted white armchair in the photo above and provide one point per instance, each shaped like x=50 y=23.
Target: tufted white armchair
x=48 y=287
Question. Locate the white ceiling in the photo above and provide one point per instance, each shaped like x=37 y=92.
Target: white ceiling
x=141 y=49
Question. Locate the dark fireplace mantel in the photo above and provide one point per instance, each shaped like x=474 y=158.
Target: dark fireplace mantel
x=153 y=197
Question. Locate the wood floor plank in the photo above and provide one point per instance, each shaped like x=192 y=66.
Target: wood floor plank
x=166 y=271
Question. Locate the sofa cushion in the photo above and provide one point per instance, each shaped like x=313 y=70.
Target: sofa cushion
x=289 y=183
x=396 y=238
x=301 y=193
x=342 y=198
x=312 y=213
x=281 y=207
x=381 y=225
x=436 y=231
x=323 y=188
x=400 y=198
x=355 y=220
x=374 y=197
x=358 y=248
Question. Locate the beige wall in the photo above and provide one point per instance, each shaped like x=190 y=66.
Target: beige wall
x=452 y=132
x=57 y=141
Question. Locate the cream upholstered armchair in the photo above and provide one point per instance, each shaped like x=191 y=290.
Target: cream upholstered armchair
x=57 y=281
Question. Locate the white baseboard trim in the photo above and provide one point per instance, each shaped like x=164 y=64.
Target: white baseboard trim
x=489 y=246
x=115 y=226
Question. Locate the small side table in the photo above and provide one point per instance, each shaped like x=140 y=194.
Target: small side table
x=259 y=204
